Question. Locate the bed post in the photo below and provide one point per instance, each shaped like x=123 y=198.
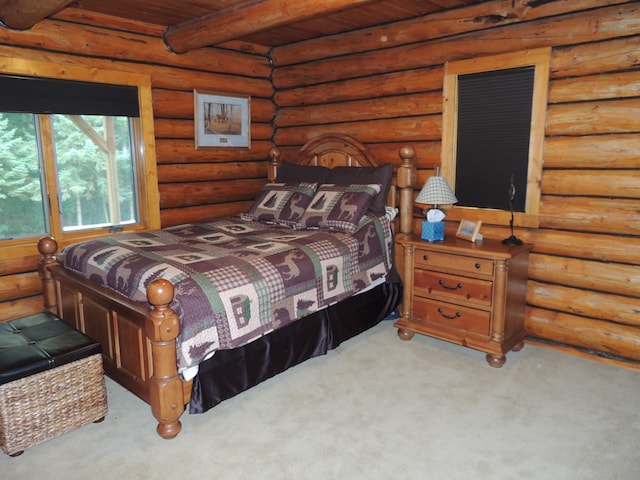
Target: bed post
x=166 y=393
x=272 y=169
x=47 y=247
x=405 y=180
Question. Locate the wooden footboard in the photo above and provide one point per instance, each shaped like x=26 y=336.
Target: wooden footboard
x=138 y=343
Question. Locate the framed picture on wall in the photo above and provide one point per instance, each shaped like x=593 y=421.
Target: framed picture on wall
x=221 y=120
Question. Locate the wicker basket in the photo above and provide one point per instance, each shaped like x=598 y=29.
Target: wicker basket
x=45 y=405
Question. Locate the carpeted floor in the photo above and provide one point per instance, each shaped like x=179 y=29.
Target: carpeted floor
x=377 y=408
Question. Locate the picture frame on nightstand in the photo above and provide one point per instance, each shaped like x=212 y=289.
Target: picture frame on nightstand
x=469 y=230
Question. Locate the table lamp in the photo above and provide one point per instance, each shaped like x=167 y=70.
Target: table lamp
x=435 y=192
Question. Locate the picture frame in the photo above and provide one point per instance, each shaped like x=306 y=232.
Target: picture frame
x=469 y=230
x=221 y=120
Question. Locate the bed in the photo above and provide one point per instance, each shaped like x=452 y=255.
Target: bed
x=150 y=343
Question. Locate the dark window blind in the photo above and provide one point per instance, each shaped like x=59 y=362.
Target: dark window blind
x=47 y=95
x=494 y=126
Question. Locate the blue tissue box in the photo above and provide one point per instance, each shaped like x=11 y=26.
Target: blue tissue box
x=432 y=231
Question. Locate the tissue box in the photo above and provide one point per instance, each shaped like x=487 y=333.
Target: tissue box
x=432 y=231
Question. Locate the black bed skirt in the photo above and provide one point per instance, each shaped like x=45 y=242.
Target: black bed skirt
x=230 y=372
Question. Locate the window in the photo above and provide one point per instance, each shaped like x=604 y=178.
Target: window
x=76 y=157
x=493 y=134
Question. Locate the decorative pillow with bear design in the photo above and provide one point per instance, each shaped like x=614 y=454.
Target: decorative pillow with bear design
x=339 y=207
x=281 y=203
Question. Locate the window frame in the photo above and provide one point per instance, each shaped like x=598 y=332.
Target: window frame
x=143 y=140
x=540 y=60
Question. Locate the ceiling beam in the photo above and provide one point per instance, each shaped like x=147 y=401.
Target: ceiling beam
x=24 y=14
x=251 y=17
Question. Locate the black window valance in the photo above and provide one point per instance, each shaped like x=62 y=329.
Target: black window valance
x=48 y=95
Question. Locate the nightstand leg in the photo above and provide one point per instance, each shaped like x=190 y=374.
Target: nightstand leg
x=517 y=347
x=496 y=360
x=405 y=334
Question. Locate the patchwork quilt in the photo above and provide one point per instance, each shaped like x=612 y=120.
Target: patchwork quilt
x=236 y=280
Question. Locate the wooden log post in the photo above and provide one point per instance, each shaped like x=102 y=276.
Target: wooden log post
x=47 y=246
x=165 y=386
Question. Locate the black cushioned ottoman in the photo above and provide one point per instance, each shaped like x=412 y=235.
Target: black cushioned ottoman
x=51 y=381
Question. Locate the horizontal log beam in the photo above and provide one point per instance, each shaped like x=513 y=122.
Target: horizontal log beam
x=590 y=214
x=594 y=118
x=19 y=265
x=612 y=184
x=387 y=107
x=395 y=83
x=236 y=22
x=20 y=308
x=23 y=14
x=179 y=195
x=587 y=275
x=584 y=332
x=183 y=151
x=201 y=213
x=203 y=172
x=588 y=151
x=19 y=286
x=408 y=129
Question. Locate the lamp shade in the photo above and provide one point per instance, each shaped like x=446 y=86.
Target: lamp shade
x=436 y=192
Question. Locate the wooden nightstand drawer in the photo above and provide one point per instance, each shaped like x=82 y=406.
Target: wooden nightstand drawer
x=482 y=266
x=452 y=287
x=452 y=316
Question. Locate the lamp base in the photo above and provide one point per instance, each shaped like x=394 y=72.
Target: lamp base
x=512 y=240
x=432 y=231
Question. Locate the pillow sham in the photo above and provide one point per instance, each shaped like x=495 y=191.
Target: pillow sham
x=382 y=175
x=339 y=207
x=281 y=203
x=292 y=173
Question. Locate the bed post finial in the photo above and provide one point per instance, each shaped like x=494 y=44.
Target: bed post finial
x=47 y=247
x=406 y=179
x=274 y=164
x=165 y=386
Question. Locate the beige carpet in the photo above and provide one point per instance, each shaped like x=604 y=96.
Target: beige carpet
x=377 y=408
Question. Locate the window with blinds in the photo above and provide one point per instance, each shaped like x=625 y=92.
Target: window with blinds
x=493 y=133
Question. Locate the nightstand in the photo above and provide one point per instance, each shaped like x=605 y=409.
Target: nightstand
x=465 y=293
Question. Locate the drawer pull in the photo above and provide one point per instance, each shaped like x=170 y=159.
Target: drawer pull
x=442 y=284
x=425 y=257
x=450 y=317
x=478 y=266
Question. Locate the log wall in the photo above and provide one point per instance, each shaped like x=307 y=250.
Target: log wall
x=384 y=86
x=193 y=184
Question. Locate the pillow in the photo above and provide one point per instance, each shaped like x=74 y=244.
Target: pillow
x=339 y=207
x=366 y=175
x=281 y=203
x=292 y=173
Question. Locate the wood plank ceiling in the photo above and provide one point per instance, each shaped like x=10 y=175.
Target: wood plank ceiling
x=192 y=24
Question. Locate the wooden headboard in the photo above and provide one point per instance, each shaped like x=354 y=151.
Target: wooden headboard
x=334 y=149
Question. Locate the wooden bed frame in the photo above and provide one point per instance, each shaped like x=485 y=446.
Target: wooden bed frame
x=139 y=343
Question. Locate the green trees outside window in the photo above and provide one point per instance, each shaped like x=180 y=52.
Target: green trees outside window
x=85 y=161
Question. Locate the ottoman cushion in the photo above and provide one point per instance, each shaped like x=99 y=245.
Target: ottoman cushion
x=40 y=342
